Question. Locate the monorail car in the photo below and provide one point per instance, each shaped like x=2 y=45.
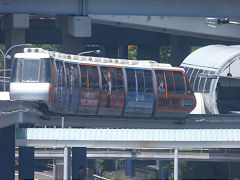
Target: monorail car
x=71 y=84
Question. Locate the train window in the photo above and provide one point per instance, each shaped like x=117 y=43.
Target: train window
x=75 y=75
x=169 y=79
x=120 y=79
x=140 y=80
x=104 y=72
x=95 y=78
x=131 y=80
x=90 y=77
x=46 y=70
x=16 y=70
x=61 y=74
x=31 y=70
x=69 y=75
x=83 y=77
x=113 y=78
x=148 y=81
x=179 y=82
x=160 y=82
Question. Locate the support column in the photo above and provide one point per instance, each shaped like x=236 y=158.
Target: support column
x=66 y=163
x=180 y=49
x=74 y=28
x=111 y=51
x=14 y=26
x=176 y=164
x=148 y=52
x=123 y=52
x=26 y=163
x=129 y=168
x=79 y=159
x=7 y=155
x=162 y=174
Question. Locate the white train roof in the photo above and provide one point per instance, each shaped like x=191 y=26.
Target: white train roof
x=213 y=57
x=31 y=53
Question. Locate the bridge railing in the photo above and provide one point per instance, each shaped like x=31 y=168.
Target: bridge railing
x=7 y=79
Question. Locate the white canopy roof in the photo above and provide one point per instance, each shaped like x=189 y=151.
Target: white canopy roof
x=213 y=56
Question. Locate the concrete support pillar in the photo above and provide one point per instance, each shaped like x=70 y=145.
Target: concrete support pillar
x=7 y=155
x=148 y=52
x=26 y=163
x=129 y=168
x=79 y=159
x=14 y=26
x=111 y=51
x=162 y=174
x=70 y=44
x=66 y=163
x=176 y=164
x=180 y=49
x=123 y=52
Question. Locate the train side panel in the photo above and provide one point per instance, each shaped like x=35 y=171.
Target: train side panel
x=173 y=96
x=139 y=92
x=112 y=91
x=89 y=95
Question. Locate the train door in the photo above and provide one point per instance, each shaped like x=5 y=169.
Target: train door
x=112 y=92
x=140 y=93
x=73 y=87
x=170 y=93
x=89 y=95
x=61 y=86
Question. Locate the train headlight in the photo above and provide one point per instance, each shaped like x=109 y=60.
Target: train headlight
x=187 y=102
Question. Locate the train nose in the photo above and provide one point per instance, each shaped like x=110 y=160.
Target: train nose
x=29 y=91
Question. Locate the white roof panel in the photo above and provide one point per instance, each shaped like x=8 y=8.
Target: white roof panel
x=212 y=56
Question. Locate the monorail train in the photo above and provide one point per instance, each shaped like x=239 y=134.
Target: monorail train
x=71 y=84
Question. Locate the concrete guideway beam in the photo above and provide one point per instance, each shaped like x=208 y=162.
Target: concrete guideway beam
x=201 y=8
x=188 y=26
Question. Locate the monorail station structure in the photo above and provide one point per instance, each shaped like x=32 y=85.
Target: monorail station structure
x=213 y=72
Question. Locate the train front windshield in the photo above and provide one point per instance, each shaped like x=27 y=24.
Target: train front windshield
x=31 y=70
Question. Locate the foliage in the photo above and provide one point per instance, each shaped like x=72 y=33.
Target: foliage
x=132 y=52
x=118 y=175
x=49 y=47
x=151 y=176
x=165 y=54
x=106 y=165
x=194 y=48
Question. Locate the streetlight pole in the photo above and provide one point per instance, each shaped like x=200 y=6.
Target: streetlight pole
x=87 y=52
x=4 y=62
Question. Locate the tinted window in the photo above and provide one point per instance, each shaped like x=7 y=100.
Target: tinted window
x=95 y=78
x=61 y=73
x=169 y=79
x=119 y=79
x=104 y=72
x=131 y=80
x=16 y=71
x=83 y=77
x=140 y=80
x=30 y=70
x=160 y=81
x=179 y=82
x=148 y=81
x=46 y=70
